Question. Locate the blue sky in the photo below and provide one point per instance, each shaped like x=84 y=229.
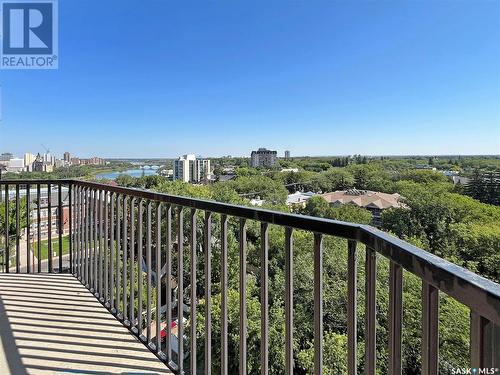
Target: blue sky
x=158 y=79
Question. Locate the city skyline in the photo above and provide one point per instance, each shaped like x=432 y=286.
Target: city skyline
x=318 y=79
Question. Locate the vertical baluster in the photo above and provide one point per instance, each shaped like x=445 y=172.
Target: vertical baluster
x=484 y=342
x=288 y=301
x=352 y=312
x=7 y=226
x=395 y=317
x=193 y=262
x=180 y=288
x=92 y=242
x=49 y=227
x=28 y=228
x=208 y=292
x=243 y=297
x=101 y=243
x=83 y=215
x=430 y=338
x=370 y=313
x=74 y=229
x=224 y=284
x=79 y=210
x=118 y=255
x=39 y=228
x=148 y=273
x=106 y=247
x=264 y=298
x=18 y=234
x=132 y=262
x=125 y=259
x=87 y=249
x=158 y=278
x=318 y=304
x=71 y=229
x=139 y=269
x=95 y=206
x=168 y=275
x=61 y=225
x=112 y=227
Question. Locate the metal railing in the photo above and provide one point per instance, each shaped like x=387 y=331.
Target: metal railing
x=121 y=236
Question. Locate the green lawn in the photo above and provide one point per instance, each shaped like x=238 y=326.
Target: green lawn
x=44 y=248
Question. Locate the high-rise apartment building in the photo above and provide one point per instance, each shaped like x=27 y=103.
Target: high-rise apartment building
x=6 y=156
x=263 y=158
x=189 y=168
x=287 y=155
x=29 y=159
x=67 y=157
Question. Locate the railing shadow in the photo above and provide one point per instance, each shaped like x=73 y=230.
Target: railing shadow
x=48 y=323
x=11 y=361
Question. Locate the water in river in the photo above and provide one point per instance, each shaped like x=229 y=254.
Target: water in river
x=130 y=172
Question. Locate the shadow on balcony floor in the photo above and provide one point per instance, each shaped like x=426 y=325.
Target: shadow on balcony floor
x=51 y=324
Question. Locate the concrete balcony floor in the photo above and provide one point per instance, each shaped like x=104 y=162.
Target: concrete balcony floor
x=51 y=324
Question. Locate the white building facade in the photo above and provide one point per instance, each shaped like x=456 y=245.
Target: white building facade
x=189 y=168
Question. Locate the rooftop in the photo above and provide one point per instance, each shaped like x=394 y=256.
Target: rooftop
x=364 y=198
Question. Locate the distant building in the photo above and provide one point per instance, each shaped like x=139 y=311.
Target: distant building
x=15 y=165
x=6 y=156
x=425 y=167
x=287 y=155
x=263 y=158
x=92 y=161
x=189 y=168
x=299 y=199
x=290 y=170
x=256 y=202
x=461 y=180
x=373 y=201
x=67 y=158
x=29 y=159
x=41 y=165
x=49 y=158
x=74 y=161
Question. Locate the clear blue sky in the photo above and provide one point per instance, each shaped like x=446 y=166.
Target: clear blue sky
x=157 y=79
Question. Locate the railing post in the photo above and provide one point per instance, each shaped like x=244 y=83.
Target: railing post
x=49 y=227
x=28 y=225
x=18 y=226
x=371 y=310
x=71 y=229
x=264 y=299
x=352 y=309
x=395 y=317
x=224 y=302
x=243 y=298
x=38 y=228
x=208 y=292
x=318 y=304
x=193 y=261
x=180 y=288
x=168 y=275
x=484 y=342
x=61 y=225
x=430 y=338
x=7 y=230
x=288 y=301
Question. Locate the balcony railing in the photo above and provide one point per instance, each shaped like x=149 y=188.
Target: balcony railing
x=120 y=237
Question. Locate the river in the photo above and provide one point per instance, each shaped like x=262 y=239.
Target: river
x=130 y=172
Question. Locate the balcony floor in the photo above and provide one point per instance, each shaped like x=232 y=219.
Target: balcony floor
x=51 y=324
